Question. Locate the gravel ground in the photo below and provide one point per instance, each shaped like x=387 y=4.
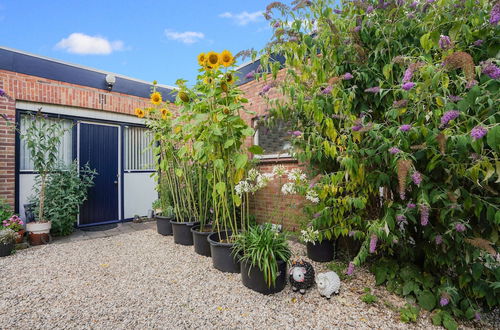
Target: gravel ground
x=144 y=280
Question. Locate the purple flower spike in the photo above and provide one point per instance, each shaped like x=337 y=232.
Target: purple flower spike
x=478 y=132
x=250 y=75
x=347 y=76
x=357 y=28
x=337 y=11
x=495 y=14
x=373 y=90
x=407 y=75
x=417 y=178
x=327 y=90
x=454 y=98
x=400 y=218
x=317 y=215
x=477 y=316
x=408 y=85
x=276 y=25
x=460 y=227
x=449 y=116
x=373 y=243
x=405 y=127
x=445 y=42
x=296 y=133
x=424 y=215
x=394 y=150
x=492 y=71
x=444 y=301
x=438 y=239
x=478 y=42
x=411 y=205
x=369 y=9
x=2 y=92
x=357 y=128
x=265 y=89
x=471 y=84
x=350 y=269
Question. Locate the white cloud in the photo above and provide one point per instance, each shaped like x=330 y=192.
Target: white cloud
x=187 y=37
x=80 y=43
x=244 y=17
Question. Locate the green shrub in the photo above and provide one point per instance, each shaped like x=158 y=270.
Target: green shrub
x=340 y=268
x=5 y=210
x=368 y=297
x=397 y=108
x=409 y=313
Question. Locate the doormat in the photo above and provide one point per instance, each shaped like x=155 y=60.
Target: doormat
x=100 y=228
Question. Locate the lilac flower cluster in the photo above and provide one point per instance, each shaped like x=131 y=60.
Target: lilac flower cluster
x=350 y=269
x=424 y=214
x=478 y=132
x=471 y=83
x=265 y=89
x=454 y=98
x=445 y=42
x=408 y=85
x=478 y=42
x=373 y=90
x=405 y=127
x=438 y=239
x=492 y=71
x=417 y=178
x=394 y=150
x=444 y=301
x=408 y=74
x=449 y=116
x=327 y=90
x=411 y=205
x=495 y=14
x=373 y=243
x=460 y=227
x=250 y=75
x=400 y=218
x=369 y=9
x=357 y=127
x=347 y=76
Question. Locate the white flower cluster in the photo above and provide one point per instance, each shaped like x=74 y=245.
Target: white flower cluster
x=279 y=170
x=253 y=174
x=288 y=188
x=312 y=196
x=262 y=180
x=297 y=175
x=253 y=182
x=243 y=187
x=309 y=235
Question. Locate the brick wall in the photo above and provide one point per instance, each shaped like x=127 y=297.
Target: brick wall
x=268 y=204
x=20 y=87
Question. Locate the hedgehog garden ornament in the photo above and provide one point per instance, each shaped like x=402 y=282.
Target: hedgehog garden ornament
x=301 y=276
x=328 y=283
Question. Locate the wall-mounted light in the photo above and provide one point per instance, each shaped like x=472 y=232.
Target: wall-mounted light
x=110 y=80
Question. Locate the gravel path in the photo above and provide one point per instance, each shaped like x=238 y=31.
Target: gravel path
x=144 y=280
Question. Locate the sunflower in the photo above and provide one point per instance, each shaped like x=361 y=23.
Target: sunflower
x=226 y=58
x=156 y=98
x=183 y=96
x=202 y=58
x=213 y=60
x=208 y=80
x=229 y=78
x=139 y=112
x=165 y=113
x=177 y=129
x=223 y=86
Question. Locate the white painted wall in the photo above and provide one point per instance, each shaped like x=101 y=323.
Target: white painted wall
x=26 y=183
x=139 y=194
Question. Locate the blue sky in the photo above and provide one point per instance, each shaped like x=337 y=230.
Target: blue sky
x=142 y=39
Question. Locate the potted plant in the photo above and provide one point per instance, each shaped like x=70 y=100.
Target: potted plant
x=16 y=224
x=7 y=239
x=263 y=254
x=317 y=249
x=163 y=218
x=42 y=137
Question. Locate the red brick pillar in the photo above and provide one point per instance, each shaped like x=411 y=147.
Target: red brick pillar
x=7 y=142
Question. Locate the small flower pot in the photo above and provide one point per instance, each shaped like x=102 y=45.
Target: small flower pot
x=163 y=225
x=6 y=249
x=253 y=278
x=222 y=259
x=39 y=232
x=201 y=245
x=182 y=232
x=20 y=236
x=323 y=251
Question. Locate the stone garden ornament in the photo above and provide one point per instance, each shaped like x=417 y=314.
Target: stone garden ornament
x=328 y=283
x=301 y=276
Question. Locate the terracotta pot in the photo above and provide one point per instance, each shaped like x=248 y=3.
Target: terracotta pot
x=39 y=232
x=20 y=238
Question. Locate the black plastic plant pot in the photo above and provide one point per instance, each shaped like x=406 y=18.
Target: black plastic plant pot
x=6 y=249
x=163 y=225
x=182 y=232
x=222 y=259
x=201 y=245
x=253 y=278
x=323 y=251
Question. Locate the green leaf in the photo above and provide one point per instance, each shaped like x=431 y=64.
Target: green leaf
x=427 y=300
x=240 y=161
x=178 y=172
x=449 y=323
x=437 y=319
x=228 y=143
x=477 y=270
x=220 y=187
x=493 y=138
x=424 y=41
x=247 y=131
x=256 y=150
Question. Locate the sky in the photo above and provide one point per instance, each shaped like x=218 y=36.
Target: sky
x=144 y=39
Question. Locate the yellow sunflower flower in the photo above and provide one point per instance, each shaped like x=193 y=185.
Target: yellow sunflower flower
x=139 y=112
x=165 y=113
x=177 y=129
x=226 y=58
x=208 y=80
x=183 y=96
x=213 y=60
x=202 y=58
x=156 y=98
x=229 y=78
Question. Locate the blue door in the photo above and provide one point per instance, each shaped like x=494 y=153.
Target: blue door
x=99 y=148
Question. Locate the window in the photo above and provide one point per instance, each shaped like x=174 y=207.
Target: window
x=65 y=149
x=138 y=154
x=274 y=139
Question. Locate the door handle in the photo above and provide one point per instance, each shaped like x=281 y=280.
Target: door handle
x=116 y=182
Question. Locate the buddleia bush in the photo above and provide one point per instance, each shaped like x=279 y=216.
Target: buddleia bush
x=397 y=103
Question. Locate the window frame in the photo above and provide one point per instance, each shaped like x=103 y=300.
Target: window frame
x=255 y=141
x=125 y=152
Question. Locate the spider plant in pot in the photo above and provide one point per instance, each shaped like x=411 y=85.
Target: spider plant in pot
x=7 y=240
x=263 y=254
x=42 y=137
